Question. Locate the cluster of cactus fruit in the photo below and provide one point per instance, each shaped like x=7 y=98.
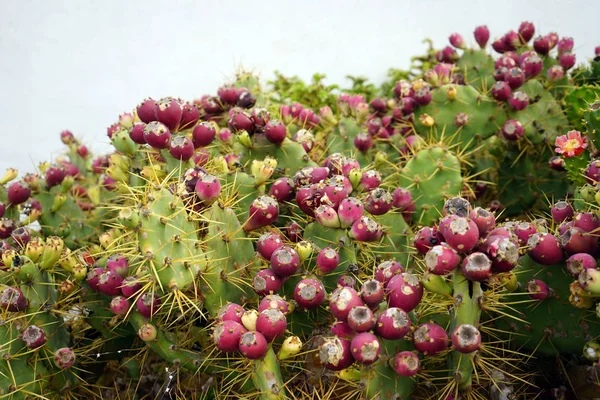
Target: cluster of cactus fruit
x=434 y=240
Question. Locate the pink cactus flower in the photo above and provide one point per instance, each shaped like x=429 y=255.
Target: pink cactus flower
x=571 y=145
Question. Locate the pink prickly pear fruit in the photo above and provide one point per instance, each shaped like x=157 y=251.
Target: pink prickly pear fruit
x=393 y=324
x=275 y=131
x=285 y=261
x=190 y=114
x=406 y=363
x=230 y=312
x=482 y=35
x=365 y=348
x=157 y=135
x=363 y=142
x=561 y=211
x=34 y=337
x=553 y=39
x=67 y=137
x=228 y=94
x=446 y=55
x=327 y=216
x=592 y=172
x=460 y=233
x=512 y=130
x=346 y=281
x=136 y=133
x=597 y=51
x=130 y=286
x=293 y=232
x=466 y=338
x=181 y=148
x=271 y=323
x=501 y=91
x=442 y=259
x=457 y=41
x=118 y=263
x=267 y=243
x=499 y=45
x=379 y=105
x=208 y=189
x=342 y=300
x=586 y=221
x=403 y=88
x=169 y=112
x=263 y=212
x=532 y=66
x=246 y=99
x=511 y=40
x=64 y=358
x=484 y=220
x=241 y=121
x=253 y=345
x=203 y=134
x=538 y=290
x=555 y=73
x=111 y=130
x=503 y=252
x=505 y=61
x=366 y=229
x=147 y=304
x=404 y=291
x=342 y=330
x=361 y=319
x=227 y=335
x=541 y=44
x=83 y=151
x=266 y=282
x=55 y=175
x=93 y=278
x=567 y=61
x=119 y=305
x=378 y=202
x=146 y=111
x=305 y=138
x=423 y=96
x=523 y=231
x=501 y=74
x=12 y=299
x=309 y=293
x=335 y=353
x=402 y=198
x=518 y=101
x=526 y=31
x=575 y=240
x=386 y=270
x=369 y=180
x=349 y=211
x=328 y=260
x=564 y=227
x=18 y=192
x=477 y=267
x=372 y=292
x=261 y=117
x=544 y=248
x=21 y=236
x=7 y=226
x=282 y=190
x=430 y=339
x=109 y=283
x=565 y=45
x=225 y=135
x=273 y=301
x=335 y=191
x=580 y=261
x=426 y=238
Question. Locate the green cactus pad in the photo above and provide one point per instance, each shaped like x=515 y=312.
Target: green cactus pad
x=266 y=376
x=477 y=67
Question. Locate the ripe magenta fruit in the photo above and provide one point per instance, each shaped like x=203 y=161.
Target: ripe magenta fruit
x=253 y=345
x=285 y=261
x=309 y=293
x=404 y=291
x=430 y=339
x=33 y=337
x=477 y=267
x=271 y=323
x=230 y=312
x=227 y=335
x=466 y=338
x=342 y=300
x=361 y=319
x=372 y=292
x=366 y=348
x=335 y=353
x=266 y=282
x=393 y=324
x=441 y=259
x=406 y=363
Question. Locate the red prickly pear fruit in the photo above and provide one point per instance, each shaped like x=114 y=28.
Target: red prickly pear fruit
x=64 y=358
x=501 y=74
x=181 y=148
x=34 y=337
x=457 y=41
x=575 y=240
x=541 y=44
x=372 y=292
x=592 y=172
x=553 y=39
x=366 y=348
x=335 y=191
x=190 y=114
x=564 y=227
x=130 y=286
x=580 y=261
x=515 y=78
x=12 y=299
x=230 y=312
x=526 y=31
x=310 y=175
x=203 y=134
x=83 y=151
x=403 y=88
x=285 y=261
x=111 y=130
x=523 y=231
x=335 y=353
x=136 y=133
x=261 y=117
x=503 y=252
x=305 y=138
x=342 y=300
x=406 y=363
x=109 y=283
x=225 y=135
x=426 y=238
x=423 y=96
x=482 y=35
x=18 y=192
x=386 y=270
x=275 y=132
x=67 y=137
x=293 y=232
x=378 y=202
x=441 y=259
x=147 y=110
x=263 y=212
x=147 y=304
x=210 y=105
x=565 y=45
x=567 y=61
x=532 y=66
x=119 y=305
x=55 y=175
x=328 y=260
x=379 y=105
x=169 y=112
x=267 y=243
x=518 y=101
x=228 y=94
x=342 y=330
x=430 y=339
x=271 y=323
x=446 y=55
x=477 y=267
x=460 y=233
x=512 y=130
x=309 y=293
x=282 y=190
x=538 y=290
x=266 y=282
x=246 y=99
x=366 y=229
x=7 y=226
x=499 y=45
x=484 y=220
x=511 y=40
x=393 y=324
x=586 y=221
x=327 y=216
x=544 y=248
x=466 y=338
x=350 y=210
x=561 y=211
x=92 y=278
x=555 y=73
x=227 y=335
x=402 y=200
x=241 y=121
x=208 y=189
x=119 y=264
x=346 y=281
x=21 y=236
x=501 y=91
x=253 y=345
x=363 y=142
x=275 y=302
x=404 y=291
x=361 y=319
x=157 y=135
x=369 y=180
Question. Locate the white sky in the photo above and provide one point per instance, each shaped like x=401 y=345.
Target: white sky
x=78 y=64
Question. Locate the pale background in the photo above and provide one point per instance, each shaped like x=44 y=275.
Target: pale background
x=78 y=64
